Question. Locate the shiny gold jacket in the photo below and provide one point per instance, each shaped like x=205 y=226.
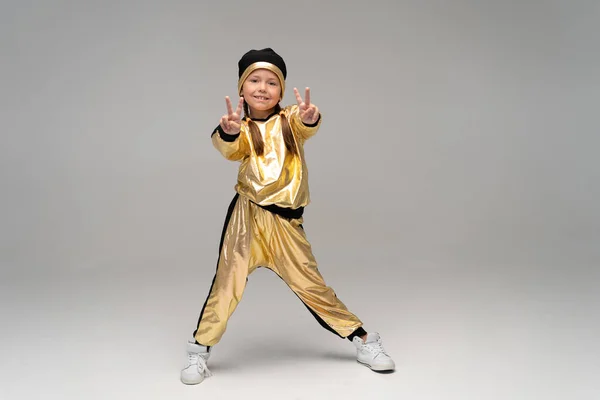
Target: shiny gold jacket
x=276 y=177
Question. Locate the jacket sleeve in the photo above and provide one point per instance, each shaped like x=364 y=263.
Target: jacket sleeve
x=303 y=131
x=232 y=147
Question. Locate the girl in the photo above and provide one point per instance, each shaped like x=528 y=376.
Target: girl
x=263 y=227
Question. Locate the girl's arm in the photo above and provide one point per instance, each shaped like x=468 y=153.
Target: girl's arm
x=305 y=117
x=232 y=147
x=227 y=137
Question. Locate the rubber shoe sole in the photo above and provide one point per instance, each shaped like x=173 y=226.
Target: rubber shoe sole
x=377 y=368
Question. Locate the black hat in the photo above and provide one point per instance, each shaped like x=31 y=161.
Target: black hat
x=261 y=59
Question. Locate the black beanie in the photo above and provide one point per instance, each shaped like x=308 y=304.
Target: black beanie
x=266 y=59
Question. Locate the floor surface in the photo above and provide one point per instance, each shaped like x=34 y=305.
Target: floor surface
x=454 y=332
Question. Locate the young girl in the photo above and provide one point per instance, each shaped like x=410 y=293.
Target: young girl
x=263 y=227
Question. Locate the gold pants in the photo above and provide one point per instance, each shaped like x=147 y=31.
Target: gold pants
x=254 y=237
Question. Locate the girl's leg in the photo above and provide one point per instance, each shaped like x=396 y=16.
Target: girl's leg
x=240 y=251
x=295 y=264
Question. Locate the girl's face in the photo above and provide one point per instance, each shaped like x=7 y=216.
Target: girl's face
x=262 y=92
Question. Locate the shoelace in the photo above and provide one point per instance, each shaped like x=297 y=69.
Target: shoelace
x=376 y=348
x=197 y=359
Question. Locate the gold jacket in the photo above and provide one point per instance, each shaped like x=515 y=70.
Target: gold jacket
x=276 y=177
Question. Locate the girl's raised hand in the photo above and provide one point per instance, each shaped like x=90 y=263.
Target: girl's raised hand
x=232 y=121
x=309 y=113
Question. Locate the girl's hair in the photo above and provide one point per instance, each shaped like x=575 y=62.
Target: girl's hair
x=259 y=145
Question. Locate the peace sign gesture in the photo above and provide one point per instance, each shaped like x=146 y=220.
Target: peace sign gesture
x=232 y=121
x=309 y=113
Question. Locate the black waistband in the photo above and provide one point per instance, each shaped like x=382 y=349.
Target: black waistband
x=291 y=213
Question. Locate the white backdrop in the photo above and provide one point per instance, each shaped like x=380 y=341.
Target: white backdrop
x=453 y=131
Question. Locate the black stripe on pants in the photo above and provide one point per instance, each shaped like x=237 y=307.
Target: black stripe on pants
x=227 y=218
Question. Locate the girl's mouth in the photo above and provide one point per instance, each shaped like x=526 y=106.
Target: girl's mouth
x=261 y=98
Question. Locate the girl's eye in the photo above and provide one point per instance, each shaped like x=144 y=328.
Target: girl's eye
x=273 y=84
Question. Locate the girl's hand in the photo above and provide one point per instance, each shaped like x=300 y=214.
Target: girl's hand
x=309 y=113
x=232 y=121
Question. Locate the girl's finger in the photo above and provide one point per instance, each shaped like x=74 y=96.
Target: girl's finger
x=229 y=108
x=298 y=98
x=238 y=111
x=224 y=123
x=316 y=115
x=307 y=97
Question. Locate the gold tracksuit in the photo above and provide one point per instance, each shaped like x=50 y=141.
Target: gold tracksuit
x=263 y=228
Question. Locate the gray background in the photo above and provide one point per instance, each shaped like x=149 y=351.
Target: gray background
x=454 y=184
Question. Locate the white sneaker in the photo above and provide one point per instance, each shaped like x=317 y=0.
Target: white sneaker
x=196 y=370
x=372 y=354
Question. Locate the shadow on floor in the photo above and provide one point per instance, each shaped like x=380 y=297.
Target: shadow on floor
x=271 y=356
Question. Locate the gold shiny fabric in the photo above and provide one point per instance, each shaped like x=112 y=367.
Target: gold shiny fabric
x=256 y=237
x=276 y=177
